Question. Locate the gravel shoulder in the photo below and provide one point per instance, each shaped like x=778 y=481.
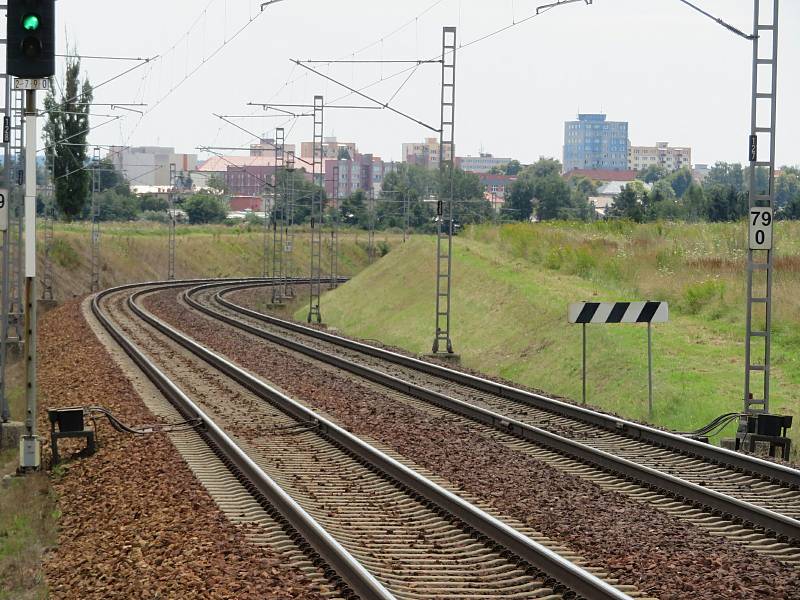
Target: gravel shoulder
x=661 y=555
x=135 y=523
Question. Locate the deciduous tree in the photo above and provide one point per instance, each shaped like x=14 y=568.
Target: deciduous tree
x=65 y=132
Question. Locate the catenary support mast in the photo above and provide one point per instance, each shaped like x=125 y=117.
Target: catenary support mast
x=95 y=281
x=314 y=313
x=760 y=261
x=5 y=412
x=444 y=223
x=172 y=223
x=49 y=224
x=335 y=229
x=288 y=263
x=278 y=220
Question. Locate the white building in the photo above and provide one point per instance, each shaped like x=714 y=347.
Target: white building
x=481 y=164
x=661 y=155
x=150 y=165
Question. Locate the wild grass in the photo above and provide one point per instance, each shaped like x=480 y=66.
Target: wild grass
x=131 y=252
x=27 y=528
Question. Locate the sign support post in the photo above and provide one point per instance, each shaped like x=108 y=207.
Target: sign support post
x=583 y=395
x=649 y=370
x=620 y=312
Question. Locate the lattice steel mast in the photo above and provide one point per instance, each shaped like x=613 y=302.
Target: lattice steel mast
x=315 y=274
x=444 y=228
x=95 y=282
x=760 y=262
x=171 y=223
x=16 y=311
x=371 y=234
x=5 y=412
x=288 y=268
x=335 y=230
x=49 y=223
x=278 y=220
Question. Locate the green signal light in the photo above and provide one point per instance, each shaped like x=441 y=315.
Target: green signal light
x=30 y=22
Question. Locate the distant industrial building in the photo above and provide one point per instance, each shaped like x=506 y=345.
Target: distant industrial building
x=266 y=147
x=601 y=175
x=482 y=163
x=249 y=180
x=331 y=148
x=672 y=159
x=150 y=165
x=700 y=172
x=496 y=187
x=242 y=175
x=354 y=174
x=425 y=154
x=606 y=194
x=246 y=204
x=361 y=172
x=592 y=142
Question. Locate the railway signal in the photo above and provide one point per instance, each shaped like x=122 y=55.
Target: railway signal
x=30 y=57
x=31 y=39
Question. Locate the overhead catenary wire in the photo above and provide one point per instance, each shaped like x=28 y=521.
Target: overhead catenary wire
x=414 y=21
x=365 y=96
x=726 y=25
x=93 y=57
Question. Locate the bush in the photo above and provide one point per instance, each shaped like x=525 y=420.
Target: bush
x=554 y=260
x=698 y=295
x=584 y=263
x=205 y=208
x=64 y=255
x=154 y=216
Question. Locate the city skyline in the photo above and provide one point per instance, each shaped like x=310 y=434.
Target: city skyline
x=674 y=75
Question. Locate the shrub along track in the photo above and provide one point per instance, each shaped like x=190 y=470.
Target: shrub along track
x=610 y=528
x=419 y=540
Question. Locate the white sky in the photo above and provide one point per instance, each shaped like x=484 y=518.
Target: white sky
x=673 y=74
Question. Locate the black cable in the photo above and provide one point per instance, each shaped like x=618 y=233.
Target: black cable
x=715 y=426
x=144 y=429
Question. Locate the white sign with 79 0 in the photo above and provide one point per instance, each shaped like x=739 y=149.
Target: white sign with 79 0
x=760 y=228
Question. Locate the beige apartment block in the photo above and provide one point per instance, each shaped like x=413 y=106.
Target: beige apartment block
x=671 y=158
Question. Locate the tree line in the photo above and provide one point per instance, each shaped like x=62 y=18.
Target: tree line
x=657 y=194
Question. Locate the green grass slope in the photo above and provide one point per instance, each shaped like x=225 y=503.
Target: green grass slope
x=131 y=252
x=512 y=285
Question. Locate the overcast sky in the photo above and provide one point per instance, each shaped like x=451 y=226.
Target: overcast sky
x=671 y=73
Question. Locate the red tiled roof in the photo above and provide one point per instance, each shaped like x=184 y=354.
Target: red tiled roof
x=602 y=174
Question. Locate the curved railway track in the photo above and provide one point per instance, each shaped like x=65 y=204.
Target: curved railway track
x=375 y=527
x=741 y=493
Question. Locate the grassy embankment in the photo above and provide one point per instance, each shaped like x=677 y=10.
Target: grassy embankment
x=129 y=253
x=28 y=517
x=138 y=252
x=512 y=285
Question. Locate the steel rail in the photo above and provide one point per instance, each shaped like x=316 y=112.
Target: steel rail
x=350 y=570
x=781 y=526
x=562 y=571
x=752 y=465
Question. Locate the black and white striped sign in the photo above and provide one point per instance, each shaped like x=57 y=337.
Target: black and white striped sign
x=619 y=312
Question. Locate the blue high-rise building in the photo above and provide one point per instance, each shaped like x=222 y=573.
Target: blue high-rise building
x=591 y=142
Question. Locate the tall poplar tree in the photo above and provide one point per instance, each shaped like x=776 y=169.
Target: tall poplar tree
x=65 y=132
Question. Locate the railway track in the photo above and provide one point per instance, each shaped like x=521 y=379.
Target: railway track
x=741 y=497
x=375 y=527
